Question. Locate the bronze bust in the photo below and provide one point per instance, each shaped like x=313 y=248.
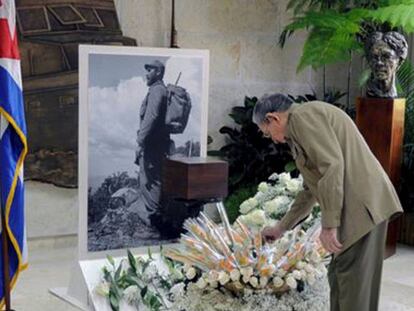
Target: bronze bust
x=385 y=52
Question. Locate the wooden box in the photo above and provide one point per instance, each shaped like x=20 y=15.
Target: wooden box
x=381 y=122
x=195 y=178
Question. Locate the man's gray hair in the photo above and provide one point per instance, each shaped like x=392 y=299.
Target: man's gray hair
x=270 y=103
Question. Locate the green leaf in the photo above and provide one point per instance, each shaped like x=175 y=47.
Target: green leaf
x=132 y=261
x=150 y=254
x=111 y=260
x=290 y=167
x=118 y=272
x=400 y=15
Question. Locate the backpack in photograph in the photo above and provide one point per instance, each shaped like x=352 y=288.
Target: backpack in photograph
x=178 y=108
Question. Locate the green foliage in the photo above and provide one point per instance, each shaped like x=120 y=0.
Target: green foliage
x=251 y=157
x=405 y=79
x=233 y=201
x=337 y=27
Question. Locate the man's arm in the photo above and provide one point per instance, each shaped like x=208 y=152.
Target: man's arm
x=155 y=100
x=300 y=209
x=316 y=136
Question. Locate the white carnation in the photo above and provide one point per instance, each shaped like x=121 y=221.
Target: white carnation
x=224 y=278
x=281 y=273
x=235 y=275
x=191 y=273
x=278 y=282
x=255 y=218
x=213 y=284
x=213 y=276
x=291 y=282
x=274 y=176
x=263 y=187
x=270 y=207
x=131 y=294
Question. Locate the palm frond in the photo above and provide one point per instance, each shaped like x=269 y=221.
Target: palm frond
x=399 y=15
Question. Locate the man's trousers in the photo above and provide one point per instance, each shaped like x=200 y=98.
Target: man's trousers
x=355 y=274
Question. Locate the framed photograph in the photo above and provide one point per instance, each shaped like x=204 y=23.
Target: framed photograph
x=137 y=106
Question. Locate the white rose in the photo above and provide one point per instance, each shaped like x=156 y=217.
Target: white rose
x=278 y=282
x=235 y=275
x=201 y=283
x=300 y=265
x=263 y=187
x=297 y=274
x=102 y=289
x=131 y=294
x=263 y=281
x=291 y=282
x=254 y=281
x=191 y=273
x=224 y=278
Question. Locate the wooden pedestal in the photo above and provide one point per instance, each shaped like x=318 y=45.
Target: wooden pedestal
x=381 y=122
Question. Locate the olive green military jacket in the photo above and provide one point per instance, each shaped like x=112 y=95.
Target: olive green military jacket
x=339 y=171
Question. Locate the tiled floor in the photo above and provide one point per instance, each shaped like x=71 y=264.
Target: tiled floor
x=50 y=266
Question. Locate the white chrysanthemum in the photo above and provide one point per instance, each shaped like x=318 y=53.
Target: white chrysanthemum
x=291 y=282
x=294 y=185
x=263 y=281
x=270 y=207
x=191 y=273
x=177 y=290
x=254 y=218
x=254 y=281
x=131 y=293
x=274 y=176
x=235 y=275
x=300 y=265
x=102 y=289
x=284 y=178
x=263 y=187
x=248 y=205
x=224 y=278
x=201 y=283
x=278 y=282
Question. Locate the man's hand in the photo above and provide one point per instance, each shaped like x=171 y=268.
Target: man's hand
x=329 y=240
x=271 y=234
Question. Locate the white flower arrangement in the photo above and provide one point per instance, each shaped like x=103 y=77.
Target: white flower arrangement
x=272 y=200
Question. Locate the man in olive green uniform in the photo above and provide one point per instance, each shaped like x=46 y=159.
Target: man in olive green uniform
x=153 y=140
x=355 y=194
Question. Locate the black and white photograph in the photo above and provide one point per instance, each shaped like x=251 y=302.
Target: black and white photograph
x=143 y=105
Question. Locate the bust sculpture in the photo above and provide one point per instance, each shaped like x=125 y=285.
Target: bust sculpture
x=385 y=52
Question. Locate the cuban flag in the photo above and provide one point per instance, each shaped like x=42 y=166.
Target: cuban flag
x=13 y=144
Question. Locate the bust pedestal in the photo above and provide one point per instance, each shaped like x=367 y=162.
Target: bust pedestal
x=381 y=122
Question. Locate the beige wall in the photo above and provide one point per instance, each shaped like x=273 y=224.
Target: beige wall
x=241 y=36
